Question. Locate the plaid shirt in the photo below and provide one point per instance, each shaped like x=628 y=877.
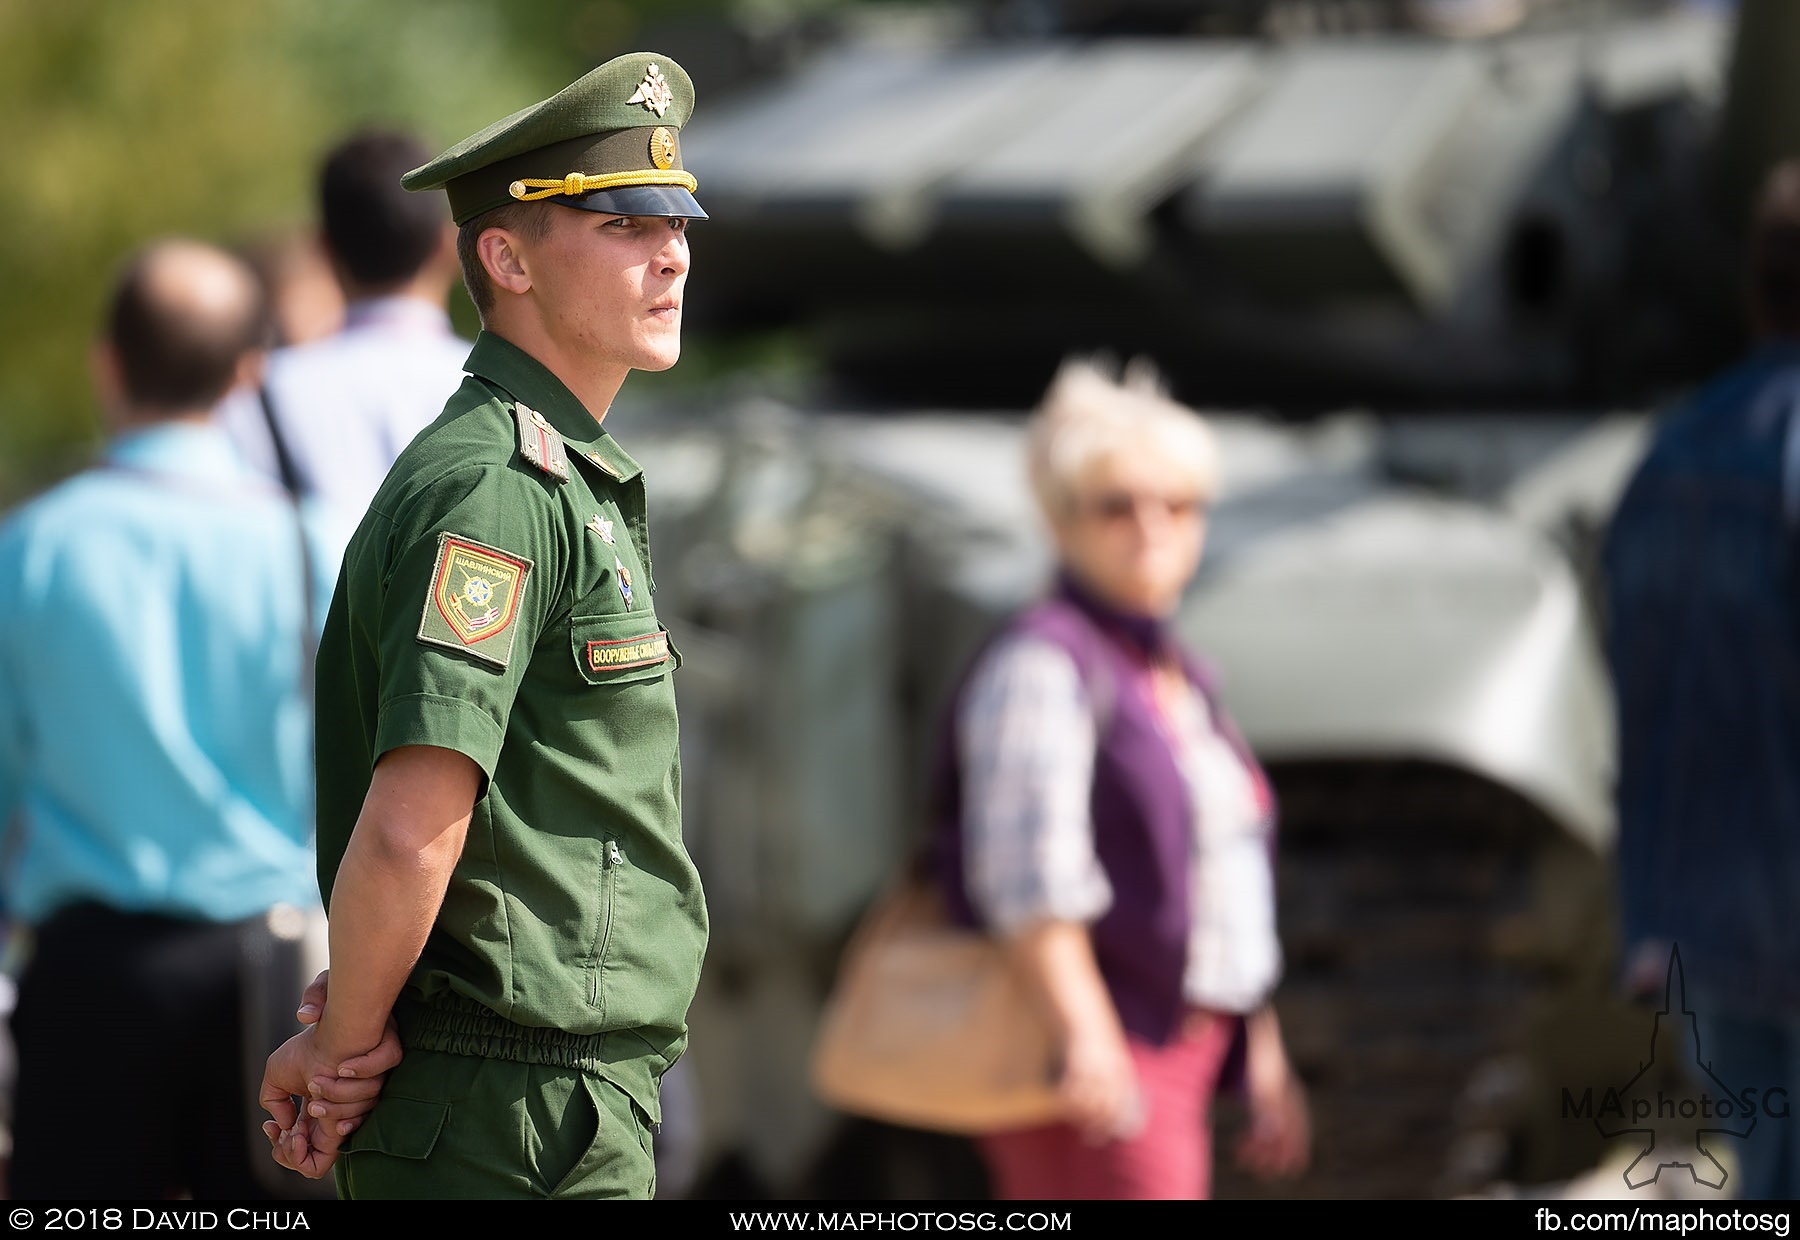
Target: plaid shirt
x=1027 y=739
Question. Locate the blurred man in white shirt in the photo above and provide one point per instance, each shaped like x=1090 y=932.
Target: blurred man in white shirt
x=334 y=413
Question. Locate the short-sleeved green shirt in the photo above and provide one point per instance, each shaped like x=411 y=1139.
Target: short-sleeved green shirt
x=504 y=610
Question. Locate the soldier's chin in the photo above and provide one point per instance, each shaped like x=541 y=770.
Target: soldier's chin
x=666 y=357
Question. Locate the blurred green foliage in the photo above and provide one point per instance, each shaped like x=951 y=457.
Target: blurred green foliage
x=130 y=119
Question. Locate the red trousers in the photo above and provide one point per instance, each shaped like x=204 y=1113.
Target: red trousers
x=1170 y=1158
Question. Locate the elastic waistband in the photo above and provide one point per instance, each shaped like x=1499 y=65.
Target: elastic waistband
x=453 y=1024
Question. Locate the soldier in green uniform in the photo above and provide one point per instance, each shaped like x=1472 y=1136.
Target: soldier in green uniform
x=499 y=817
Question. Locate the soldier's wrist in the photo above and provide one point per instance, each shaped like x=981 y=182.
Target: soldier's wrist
x=337 y=1041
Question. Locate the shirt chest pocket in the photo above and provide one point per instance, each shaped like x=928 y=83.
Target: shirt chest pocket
x=621 y=647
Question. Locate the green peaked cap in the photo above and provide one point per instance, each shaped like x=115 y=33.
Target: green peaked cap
x=608 y=141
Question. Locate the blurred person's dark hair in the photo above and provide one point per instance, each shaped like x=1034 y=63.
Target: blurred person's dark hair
x=1774 y=252
x=380 y=234
x=182 y=317
x=529 y=219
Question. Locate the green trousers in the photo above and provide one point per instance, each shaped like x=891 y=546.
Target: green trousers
x=456 y=1126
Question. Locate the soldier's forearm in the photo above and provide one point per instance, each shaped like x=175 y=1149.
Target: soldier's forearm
x=390 y=885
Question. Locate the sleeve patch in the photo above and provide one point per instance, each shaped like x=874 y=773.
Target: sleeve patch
x=476 y=592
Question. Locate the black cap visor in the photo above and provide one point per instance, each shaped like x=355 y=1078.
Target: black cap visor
x=670 y=200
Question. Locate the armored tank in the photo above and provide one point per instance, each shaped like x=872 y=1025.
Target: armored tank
x=1424 y=279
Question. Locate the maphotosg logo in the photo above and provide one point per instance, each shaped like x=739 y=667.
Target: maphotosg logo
x=1676 y=1130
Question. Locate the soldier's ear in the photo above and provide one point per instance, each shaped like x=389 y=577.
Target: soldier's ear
x=504 y=260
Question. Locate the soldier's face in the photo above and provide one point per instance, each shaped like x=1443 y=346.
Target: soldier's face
x=611 y=286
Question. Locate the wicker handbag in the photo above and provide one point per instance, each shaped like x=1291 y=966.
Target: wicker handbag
x=930 y=1026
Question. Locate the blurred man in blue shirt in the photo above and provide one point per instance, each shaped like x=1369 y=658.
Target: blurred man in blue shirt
x=155 y=749
x=1703 y=602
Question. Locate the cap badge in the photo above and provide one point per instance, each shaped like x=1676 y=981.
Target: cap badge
x=653 y=92
x=662 y=147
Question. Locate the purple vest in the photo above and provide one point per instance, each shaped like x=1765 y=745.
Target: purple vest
x=1142 y=810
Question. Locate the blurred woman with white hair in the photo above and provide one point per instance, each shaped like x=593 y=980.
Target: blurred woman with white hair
x=1099 y=812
